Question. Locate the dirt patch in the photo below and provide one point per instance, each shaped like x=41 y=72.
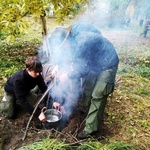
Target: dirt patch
x=12 y=131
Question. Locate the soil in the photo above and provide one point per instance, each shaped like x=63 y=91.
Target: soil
x=12 y=131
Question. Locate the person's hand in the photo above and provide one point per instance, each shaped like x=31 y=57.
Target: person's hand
x=56 y=105
x=55 y=71
x=63 y=77
x=62 y=110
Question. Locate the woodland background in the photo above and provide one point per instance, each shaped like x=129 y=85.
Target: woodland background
x=24 y=23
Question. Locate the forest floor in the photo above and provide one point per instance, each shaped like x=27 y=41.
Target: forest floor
x=125 y=119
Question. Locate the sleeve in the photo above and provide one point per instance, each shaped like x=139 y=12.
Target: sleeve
x=20 y=93
x=43 y=87
x=47 y=73
x=41 y=84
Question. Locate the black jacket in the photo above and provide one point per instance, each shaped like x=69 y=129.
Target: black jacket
x=20 y=84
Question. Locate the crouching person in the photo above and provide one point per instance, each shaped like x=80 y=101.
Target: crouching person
x=18 y=89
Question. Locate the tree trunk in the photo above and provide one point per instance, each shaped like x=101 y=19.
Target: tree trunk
x=44 y=27
x=130 y=11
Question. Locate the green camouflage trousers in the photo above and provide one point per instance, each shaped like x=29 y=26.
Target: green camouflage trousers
x=9 y=102
x=97 y=88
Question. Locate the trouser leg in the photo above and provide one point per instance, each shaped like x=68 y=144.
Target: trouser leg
x=32 y=98
x=8 y=105
x=145 y=33
x=96 y=111
x=88 y=85
x=104 y=86
x=35 y=90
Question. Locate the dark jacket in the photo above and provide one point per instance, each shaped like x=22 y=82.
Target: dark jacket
x=84 y=49
x=20 y=84
x=90 y=51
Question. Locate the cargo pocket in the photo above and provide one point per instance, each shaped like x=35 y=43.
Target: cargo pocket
x=89 y=80
x=109 y=88
x=102 y=89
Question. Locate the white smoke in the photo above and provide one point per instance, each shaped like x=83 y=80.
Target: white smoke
x=96 y=13
x=68 y=94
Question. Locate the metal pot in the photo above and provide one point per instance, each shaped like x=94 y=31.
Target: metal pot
x=53 y=118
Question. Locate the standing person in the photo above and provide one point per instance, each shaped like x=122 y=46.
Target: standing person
x=92 y=58
x=18 y=89
x=141 y=22
x=146 y=28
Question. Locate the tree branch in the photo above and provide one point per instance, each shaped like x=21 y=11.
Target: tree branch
x=46 y=92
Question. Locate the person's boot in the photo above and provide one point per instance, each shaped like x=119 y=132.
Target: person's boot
x=83 y=135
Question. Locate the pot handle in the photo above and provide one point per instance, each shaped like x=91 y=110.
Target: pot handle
x=43 y=109
x=42 y=115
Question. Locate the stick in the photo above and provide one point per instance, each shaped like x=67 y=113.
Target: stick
x=48 y=89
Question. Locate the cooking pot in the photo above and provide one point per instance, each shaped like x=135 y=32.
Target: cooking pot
x=53 y=118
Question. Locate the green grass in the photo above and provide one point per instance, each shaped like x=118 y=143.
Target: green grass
x=127 y=115
x=46 y=144
x=55 y=144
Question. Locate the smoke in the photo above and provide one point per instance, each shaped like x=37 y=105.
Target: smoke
x=57 y=50
x=96 y=13
x=54 y=54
